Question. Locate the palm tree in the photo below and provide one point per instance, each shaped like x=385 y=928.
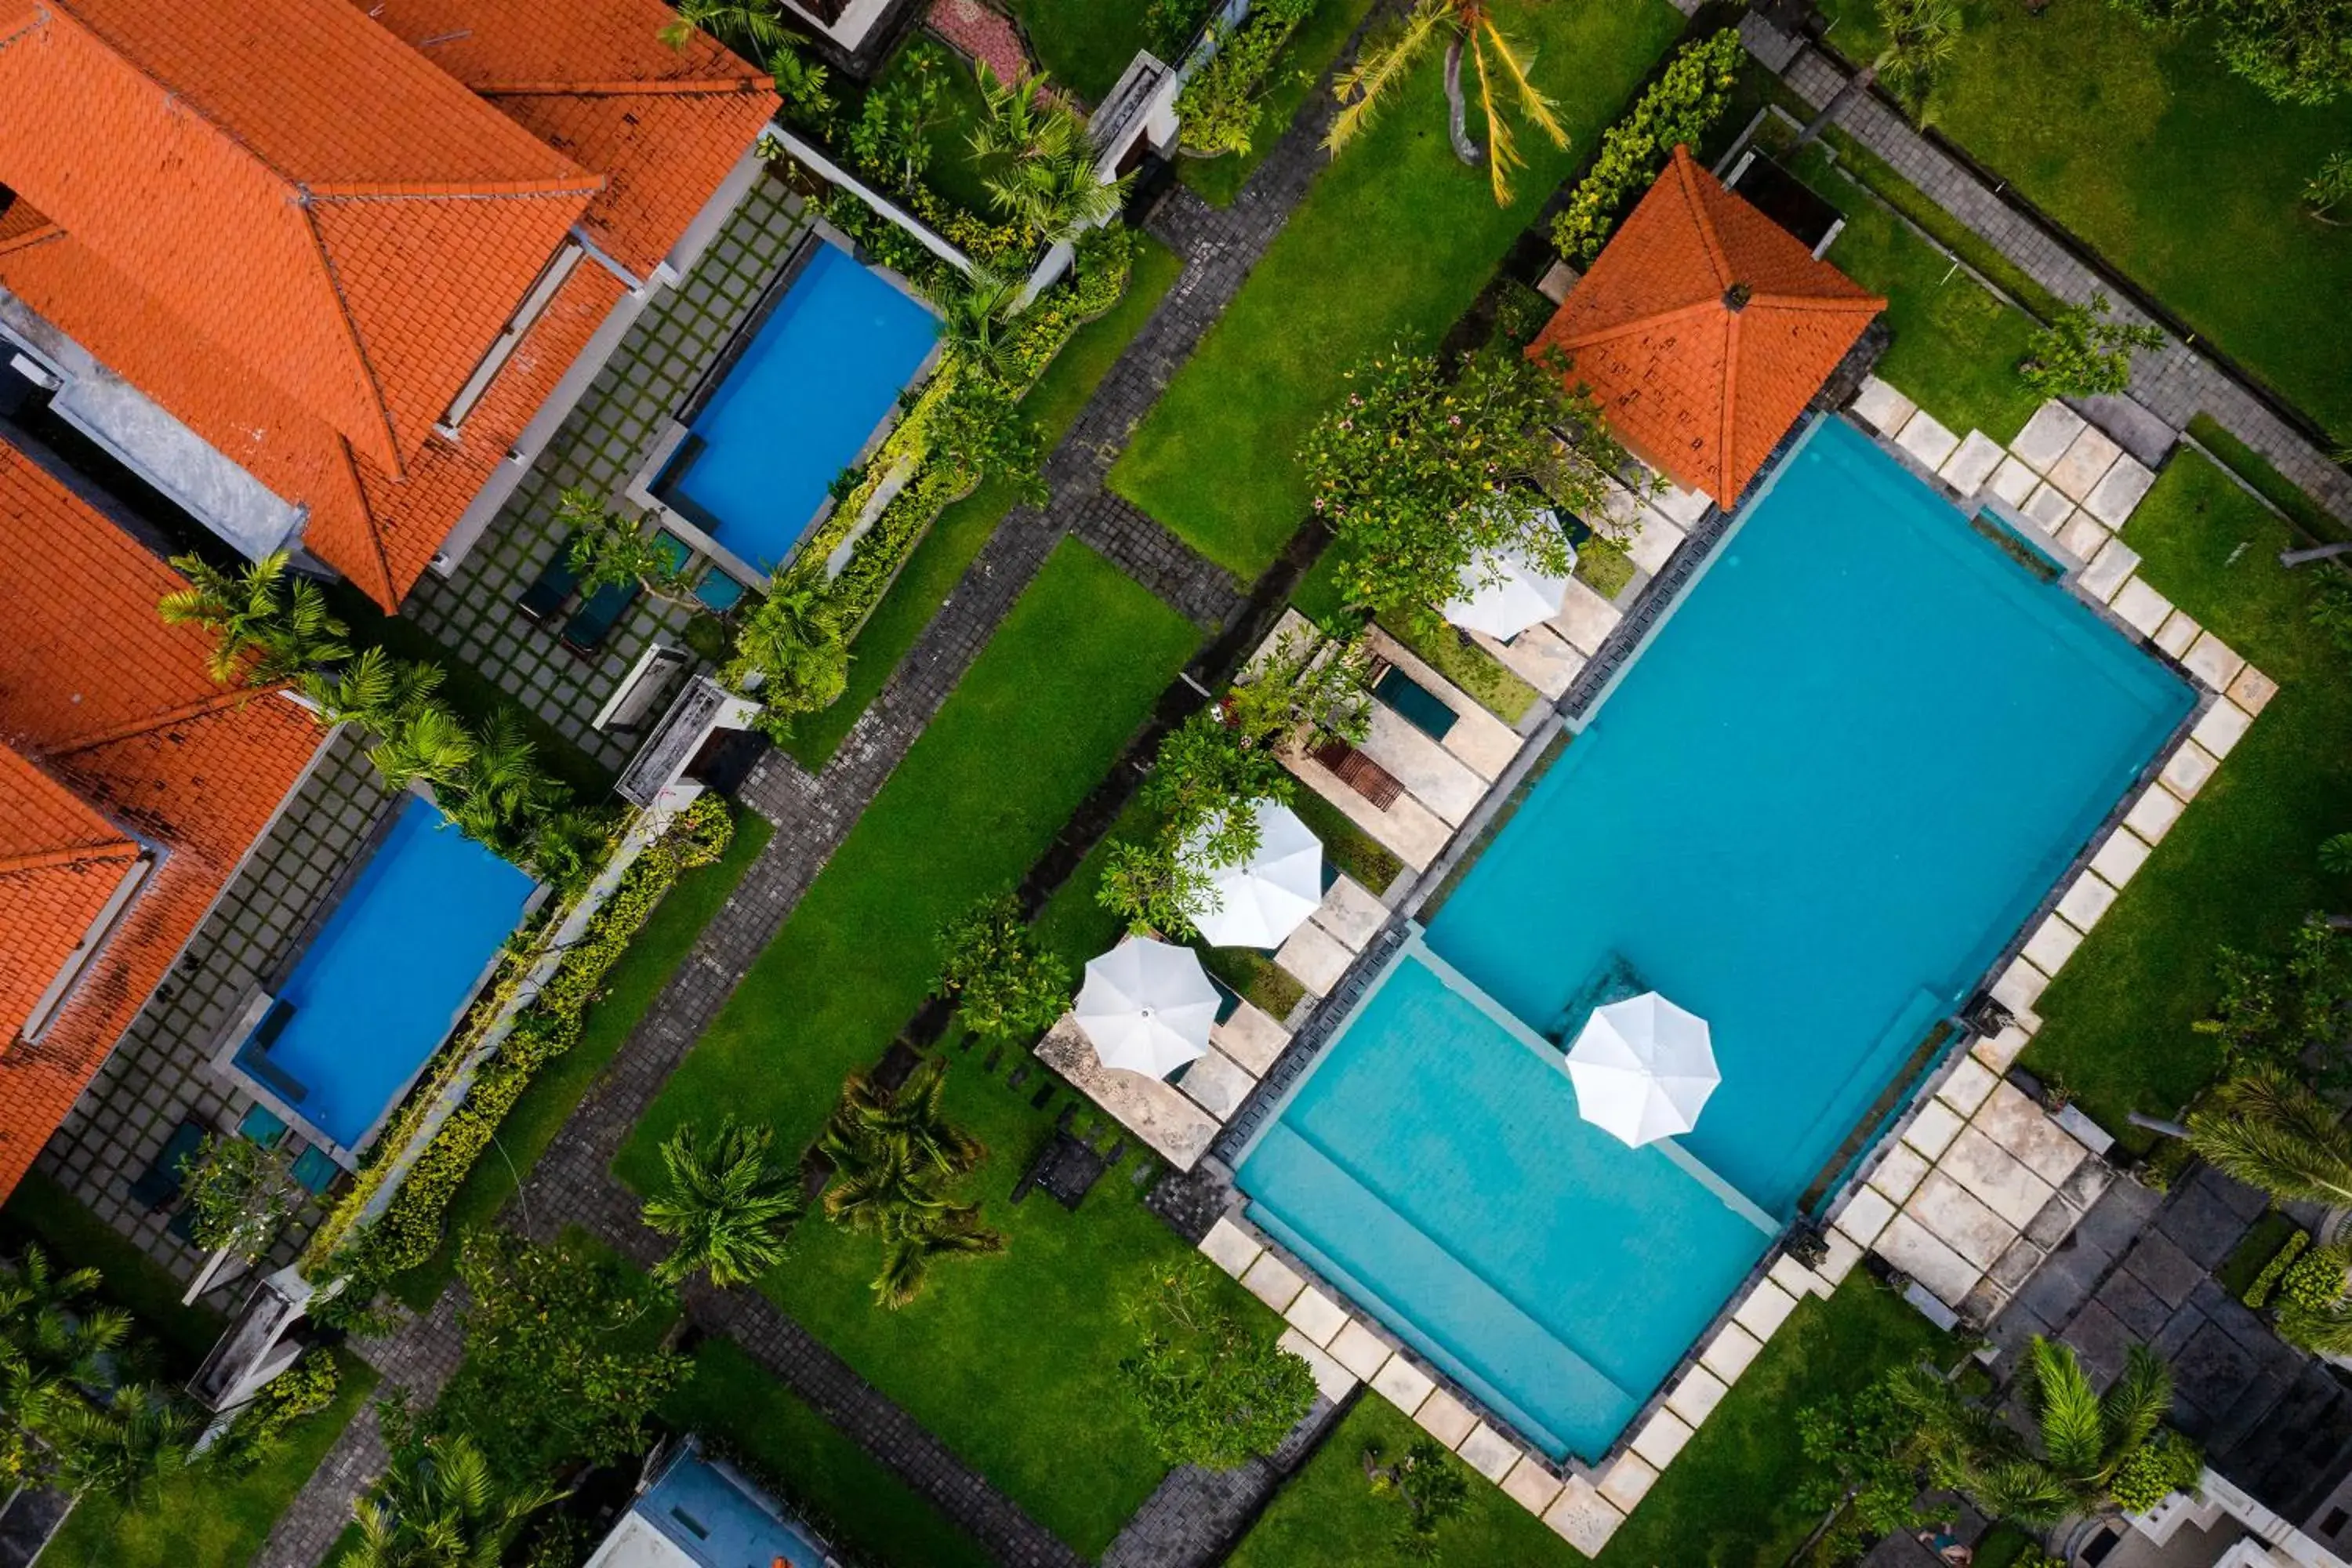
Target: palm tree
x=499 y=783
x=2084 y=1437
x=758 y=24
x=48 y=1325
x=728 y=1207
x=267 y=627
x=2272 y=1132
x=439 y=1508
x=793 y=640
x=373 y=689
x=1384 y=67
x=1022 y=120
x=976 y=315
x=894 y=1152
x=907 y=1268
x=430 y=744
x=1922 y=36
x=125 y=1446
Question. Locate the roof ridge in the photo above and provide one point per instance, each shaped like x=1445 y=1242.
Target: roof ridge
x=1696 y=308
x=1686 y=181
x=714 y=86
x=351 y=329
x=203 y=706
x=48 y=233
x=1861 y=304
x=81 y=855
x=587 y=182
x=392 y=592
x=1727 y=437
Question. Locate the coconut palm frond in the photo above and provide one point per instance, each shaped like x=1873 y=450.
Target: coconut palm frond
x=2131 y=1411
x=728 y=1206
x=1520 y=69
x=2025 y=1491
x=1502 y=152
x=1365 y=86
x=2273 y=1133
x=2059 y=1394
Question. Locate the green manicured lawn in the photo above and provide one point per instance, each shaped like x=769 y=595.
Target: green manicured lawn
x=1956 y=346
x=2274 y=487
x=1312 y=49
x=200 y=1520
x=1009 y=1360
x=2242 y=866
x=2182 y=175
x=1726 y=1501
x=1392 y=245
x=856 y=1504
x=1084 y=44
x=629 y=989
x=41 y=1210
x=940 y=562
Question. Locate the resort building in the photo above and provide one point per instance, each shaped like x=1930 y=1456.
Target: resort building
x=698 y=1513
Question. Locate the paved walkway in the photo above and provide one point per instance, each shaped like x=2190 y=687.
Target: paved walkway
x=2174 y=382
x=1192 y=1518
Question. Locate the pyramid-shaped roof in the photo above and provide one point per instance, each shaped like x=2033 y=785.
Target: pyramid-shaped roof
x=352 y=231
x=1702 y=330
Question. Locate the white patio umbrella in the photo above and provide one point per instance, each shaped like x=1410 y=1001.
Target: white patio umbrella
x=1642 y=1069
x=1262 y=900
x=1147 y=1006
x=1504 y=594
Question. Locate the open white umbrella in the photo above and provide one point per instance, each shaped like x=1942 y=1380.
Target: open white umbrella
x=1642 y=1069
x=1147 y=1006
x=1262 y=900
x=1504 y=594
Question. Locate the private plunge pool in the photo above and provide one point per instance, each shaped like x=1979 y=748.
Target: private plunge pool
x=796 y=400
x=1816 y=808
x=384 y=979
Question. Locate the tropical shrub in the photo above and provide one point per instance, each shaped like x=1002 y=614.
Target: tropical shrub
x=728 y=1207
x=895 y=1156
x=2258 y=1293
x=891 y=137
x=2295 y=51
x=1172 y=25
x=1211 y=1388
x=1202 y=792
x=238 y=1194
x=1862 y=1463
x=1470 y=31
x=2081 y=353
x=2272 y=1010
x=441 y=1505
x=2270 y=1131
x=2167 y=1463
x=1218 y=109
x=259 y=1429
x=1002 y=982
x=1427 y=1485
x=1686 y=100
x=2312 y=1310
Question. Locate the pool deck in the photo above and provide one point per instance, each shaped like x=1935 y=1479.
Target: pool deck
x=1975 y=1183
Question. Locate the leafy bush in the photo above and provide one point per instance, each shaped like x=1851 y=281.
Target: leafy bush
x=2081 y=353
x=1685 y=101
x=1170 y=25
x=2315 y=1279
x=1211 y=1389
x=1863 y=1464
x=1218 y=109
x=2295 y=51
x=1430 y=1487
x=1003 y=983
x=2258 y=1294
x=2165 y=1464
x=302 y=1390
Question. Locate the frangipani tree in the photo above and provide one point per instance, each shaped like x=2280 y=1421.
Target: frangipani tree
x=1469 y=26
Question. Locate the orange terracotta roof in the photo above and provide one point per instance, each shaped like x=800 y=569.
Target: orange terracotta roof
x=59 y=863
x=118 y=709
x=352 y=231
x=1704 y=329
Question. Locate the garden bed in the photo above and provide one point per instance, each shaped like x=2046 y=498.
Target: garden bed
x=1297 y=72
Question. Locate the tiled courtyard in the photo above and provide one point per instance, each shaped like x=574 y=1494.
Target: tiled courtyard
x=600 y=446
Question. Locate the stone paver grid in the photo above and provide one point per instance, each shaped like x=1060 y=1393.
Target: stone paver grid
x=601 y=444
x=161 y=1073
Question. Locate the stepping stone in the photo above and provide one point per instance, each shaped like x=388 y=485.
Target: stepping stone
x=1531 y=1485
x=1488 y=1452
x=1968 y=468
x=2153 y=814
x=1315 y=958
x=2224 y=725
x=1683 y=508
x=2115 y=562
x=1231 y=1247
x=1585 y=619
x=1443 y=1417
x=2112 y=498
x=1401 y=1383
x=2086 y=463
x=1962 y=1221
x=2048 y=506
x=2187 y=770
x=1216 y=1084
x=1928 y=1260
x=2081 y=537
x=2177 y=633
x=1351 y=913
x=2141 y=607
x=1628 y=1481
x=2212 y=661
x=1926 y=440
x=2089 y=898
x=1582 y=1517
x=1251 y=1037
x=2047 y=435
x=1316 y=1316
x=1880 y=407
x=2119 y=857
x=1654 y=542
x=2252 y=690
x=2013 y=481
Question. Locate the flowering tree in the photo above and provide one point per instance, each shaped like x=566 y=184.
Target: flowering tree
x=1411 y=470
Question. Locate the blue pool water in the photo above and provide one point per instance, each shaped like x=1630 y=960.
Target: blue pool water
x=1839 y=778
x=799 y=404
x=378 y=988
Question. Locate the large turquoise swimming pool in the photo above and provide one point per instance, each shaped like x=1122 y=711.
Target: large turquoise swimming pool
x=1835 y=783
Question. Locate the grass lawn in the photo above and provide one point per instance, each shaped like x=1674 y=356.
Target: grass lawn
x=629 y=989
x=858 y=1506
x=1956 y=346
x=1392 y=245
x=938 y=562
x=1008 y=1359
x=1727 y=1500
x=2184 y=176
x=41 y=1210
x=1084 y=44
x=2242 y=866
x=203 y=1521
x=1312 y=49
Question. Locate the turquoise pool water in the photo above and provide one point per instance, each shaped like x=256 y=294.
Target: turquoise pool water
x=378 y=988
x=1841 y=775
x=798 y=406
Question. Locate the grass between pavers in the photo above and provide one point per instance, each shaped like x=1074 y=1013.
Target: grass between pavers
x=1392 y=243
x=1084 y=44
x=199 y=1519
x=938 y=562
x=2241 y=865
x=42 y=1210
x=1312 y=49
x=659 y=948
x=1956 y=346
x=2184 y=177
x=860 y=1507
x=1009 y=1359
x=1727 y=1499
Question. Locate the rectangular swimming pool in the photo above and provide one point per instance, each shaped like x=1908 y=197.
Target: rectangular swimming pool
x=796 y=406
x=381 y=984
x=1817 y=806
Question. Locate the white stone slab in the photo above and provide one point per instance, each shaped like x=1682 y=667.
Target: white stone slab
x=1432 y=775
x=1683 y=508
x=2212 y=661
x=1582 y=1517
x=1996 y=1178
x=1730 y=1353
x=1401 y=1383
x=2053 y=941
x=2080 y=535
x=1251 y=1037
x=1844 y=1252
x=1315 y=958
x=2013 y=1120
x=2001 y=1049
x=1971 y=463
x=1766 y=1307
x=2140 y=606
x=1908 y=1245
x=1960 y=1220
x=2090 y=897
x=2109 y=570
x=2085 y=463
x=2179 y=629
x=2048 y=506
x=1628 y=1480
x=1929 y=1130
x=1406 y=828
x=1444 y=1417
x=2112 y=498
x=2047 y=435
x=1865 y=1214
x=1273 y=1282
x=1661 y=1436
x=1488 y=1452
x=2186 y=771
x=1351 y=913
x=1316 y=1316
x=1898 y=1171
x=1331 y=1380
x=1531 y=1485
x=1231 y=1247
x=1217 y=1083
x=1965 y=1087
x=1535 y=656
x=2222 y=727
x=1790 y=1275
x=2013 y=481
x=2153 y=814
x=1926 y=440
x=2020 y=985
x=1880 y=407
x=1360 y=1350
x=1696 y=1396
x=1585 y=619
x=1653 y=540
x=2119 y=858
x=1157 y=1112
x=2252 y=690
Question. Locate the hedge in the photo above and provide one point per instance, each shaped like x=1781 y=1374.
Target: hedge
x=2275 y=1270
x=1687 y=99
